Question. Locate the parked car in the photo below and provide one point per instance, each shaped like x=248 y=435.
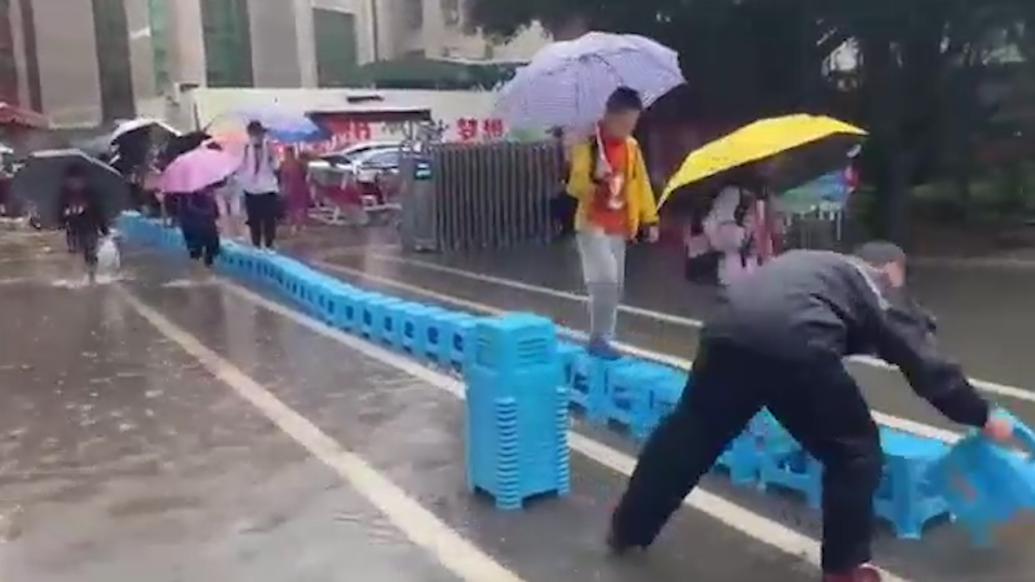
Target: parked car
x=348 y=155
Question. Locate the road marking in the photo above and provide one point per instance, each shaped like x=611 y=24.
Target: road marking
x=728 y=513
x=891 y=421
x=460 y=556
x=985 y=385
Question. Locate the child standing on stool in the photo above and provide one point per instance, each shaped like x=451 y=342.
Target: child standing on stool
x=83 y=218
x=615 y=201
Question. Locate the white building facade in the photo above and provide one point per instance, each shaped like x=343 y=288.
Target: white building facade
x=85 y=63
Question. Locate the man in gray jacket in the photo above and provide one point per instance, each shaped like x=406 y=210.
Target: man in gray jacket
x=778 y=342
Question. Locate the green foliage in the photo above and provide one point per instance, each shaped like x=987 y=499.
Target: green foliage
x=917 y=87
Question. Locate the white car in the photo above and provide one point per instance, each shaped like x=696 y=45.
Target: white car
x=348 y=155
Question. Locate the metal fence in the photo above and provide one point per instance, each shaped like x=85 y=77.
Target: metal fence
x=493 y=195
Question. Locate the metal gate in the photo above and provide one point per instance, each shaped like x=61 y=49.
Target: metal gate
x=494 y=195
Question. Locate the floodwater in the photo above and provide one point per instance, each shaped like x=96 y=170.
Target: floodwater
x=171 y=426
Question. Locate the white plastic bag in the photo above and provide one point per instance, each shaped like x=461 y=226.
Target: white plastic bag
x=108 y=260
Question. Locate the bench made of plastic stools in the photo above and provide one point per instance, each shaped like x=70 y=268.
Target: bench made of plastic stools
x=906 y=497
x=741 y=460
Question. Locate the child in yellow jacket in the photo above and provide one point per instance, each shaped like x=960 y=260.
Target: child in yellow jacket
x=610 y=181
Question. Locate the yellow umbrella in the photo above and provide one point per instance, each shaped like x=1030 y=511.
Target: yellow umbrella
x=762 y=140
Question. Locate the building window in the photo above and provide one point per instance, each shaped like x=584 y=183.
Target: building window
x=451 y=13
x=336 y=53
x=158 y=19
x=228 y=45
x=113 y=64
x=414 y=14
x=8 y=66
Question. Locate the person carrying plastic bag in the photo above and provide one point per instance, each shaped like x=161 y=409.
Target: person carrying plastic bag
x=83 y=217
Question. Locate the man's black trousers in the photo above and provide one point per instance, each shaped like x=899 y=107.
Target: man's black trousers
x=816 y=401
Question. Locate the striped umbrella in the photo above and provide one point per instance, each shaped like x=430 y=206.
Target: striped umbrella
x=567 y=83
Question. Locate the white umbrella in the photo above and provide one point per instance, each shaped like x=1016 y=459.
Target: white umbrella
x=132 y=125
x=567 y=83
x=4 y=149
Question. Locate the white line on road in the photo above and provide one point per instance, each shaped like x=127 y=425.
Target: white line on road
x=726 y=512
x=460 y=556
x=985 y=385
x=888 y=420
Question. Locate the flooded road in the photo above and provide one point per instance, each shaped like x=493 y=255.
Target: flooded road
x=169 y=426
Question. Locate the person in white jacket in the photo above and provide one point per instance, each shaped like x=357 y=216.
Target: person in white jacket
x=257 y=178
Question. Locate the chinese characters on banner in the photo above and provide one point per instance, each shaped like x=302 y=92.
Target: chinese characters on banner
x=472 y=129
x=349 y=132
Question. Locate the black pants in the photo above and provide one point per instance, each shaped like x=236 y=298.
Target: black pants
x=263 y=214
x=818 y=403
x=562 y=210
x=202 y=242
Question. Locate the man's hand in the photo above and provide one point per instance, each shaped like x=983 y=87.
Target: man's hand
x=999 y=428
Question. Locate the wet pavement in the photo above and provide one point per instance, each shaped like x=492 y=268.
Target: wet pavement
x=134 y=450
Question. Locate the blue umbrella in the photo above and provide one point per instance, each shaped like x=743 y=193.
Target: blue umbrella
x=285 y=125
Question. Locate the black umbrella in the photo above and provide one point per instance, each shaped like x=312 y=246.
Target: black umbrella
x=179 y=145
x=39 y=183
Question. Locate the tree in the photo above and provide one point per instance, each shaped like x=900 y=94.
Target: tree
x=921 y=64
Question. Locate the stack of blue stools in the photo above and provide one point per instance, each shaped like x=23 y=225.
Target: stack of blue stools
x=517 y=411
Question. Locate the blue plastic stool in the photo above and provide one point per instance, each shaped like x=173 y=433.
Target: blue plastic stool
x=390 y=324
x=631 y=390
x=429 y=334
x=411 y=341
x=985 y=484
x=589 y=388
x=441 y=326
x=906 y=497
x=742 y=460
x=782 y=460
x=370 y=314
x=460 y=339
x=568 y=354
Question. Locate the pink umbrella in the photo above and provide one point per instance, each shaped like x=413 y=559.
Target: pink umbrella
x=198 y=169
